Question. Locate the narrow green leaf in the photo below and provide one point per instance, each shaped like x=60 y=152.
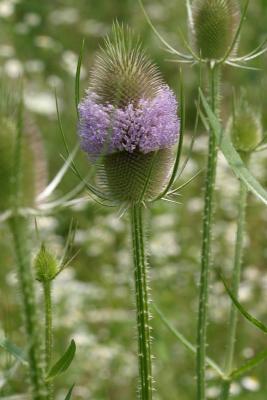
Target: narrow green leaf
x=231 y=155
x=245 y=314
x=249 y=365
x=186 y=342
x=69 y=393
x=77 y=78
x=63 y=363
x=12 y=349
x=180 y=143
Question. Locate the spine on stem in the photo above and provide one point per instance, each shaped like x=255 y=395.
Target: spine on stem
x=206 y=241
x=141 y=292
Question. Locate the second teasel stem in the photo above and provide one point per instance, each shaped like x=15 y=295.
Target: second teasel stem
x=236 y=275
x=18 y=227
x=48 y=333
x=214 y=73
x=141 y=292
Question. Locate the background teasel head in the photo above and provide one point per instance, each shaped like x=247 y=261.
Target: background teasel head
x=128 y=121
x=32 y=172
x=214 y=24
x=245 y=128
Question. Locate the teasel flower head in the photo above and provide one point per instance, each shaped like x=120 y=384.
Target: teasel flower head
x=214 y=34
x=245 y=128
x=128 y=121
x=214 y=24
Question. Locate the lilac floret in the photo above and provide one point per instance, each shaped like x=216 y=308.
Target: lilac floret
x=148 y=126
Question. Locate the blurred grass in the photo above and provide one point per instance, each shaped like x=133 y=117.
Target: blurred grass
x=93 y=298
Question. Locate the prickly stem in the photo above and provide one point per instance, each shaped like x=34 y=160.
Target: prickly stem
x=18 y=228
x=141 y=292
x=206 y=242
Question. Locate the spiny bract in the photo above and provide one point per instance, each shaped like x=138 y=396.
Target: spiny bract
x=128 y=121
x=215 y=23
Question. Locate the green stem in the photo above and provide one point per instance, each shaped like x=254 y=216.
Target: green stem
x=18 y=228
x=48 y=334
x=239 y=245
x=141 y=292
x=206 y=242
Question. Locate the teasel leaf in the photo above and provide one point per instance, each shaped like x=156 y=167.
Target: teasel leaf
x=180 y=142
x=254 y=321
x=249 y=365
x=15 y=351
x=77 y=78
x=50 y=188
x=63 y=363
x=68 y=397
x=188 y=345
x=233 y=158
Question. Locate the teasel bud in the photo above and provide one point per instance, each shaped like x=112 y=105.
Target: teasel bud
x=128 y=120
x=32 y=173
x=214 y=25
x=245 y=128
x=46 y=265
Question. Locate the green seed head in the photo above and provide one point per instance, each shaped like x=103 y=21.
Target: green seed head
x=214 y=25
x=245 y=129
x=122 y=72
x=46 y=265
x=131 y=177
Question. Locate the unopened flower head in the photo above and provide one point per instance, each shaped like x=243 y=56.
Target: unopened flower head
x=46 y=265
x=128 y=115
x=245 y=128
x=214 y=24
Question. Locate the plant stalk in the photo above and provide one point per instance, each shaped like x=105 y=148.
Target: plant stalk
x=48 y=334
x=214 y=74
x=141 y=292
x=18 y=228
x=236 y=275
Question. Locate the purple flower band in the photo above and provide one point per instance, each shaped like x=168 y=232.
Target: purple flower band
x=148 y=126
